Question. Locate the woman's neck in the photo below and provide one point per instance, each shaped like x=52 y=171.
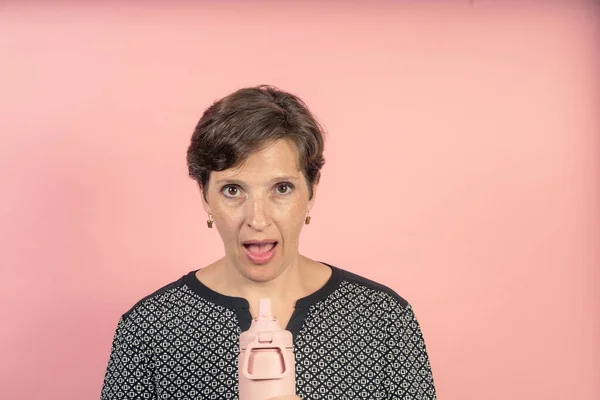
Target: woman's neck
x=297 y=279
x=287 y=286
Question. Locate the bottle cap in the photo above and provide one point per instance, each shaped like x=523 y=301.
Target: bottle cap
x=264 y=309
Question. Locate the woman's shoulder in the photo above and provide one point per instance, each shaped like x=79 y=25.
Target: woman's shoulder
x=359 y=287
x=364 y=299
x=156 y=301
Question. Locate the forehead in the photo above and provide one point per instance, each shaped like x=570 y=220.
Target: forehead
x=277 y=158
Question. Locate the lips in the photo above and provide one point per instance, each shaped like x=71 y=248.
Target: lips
x=260 y=248
x=260 y=251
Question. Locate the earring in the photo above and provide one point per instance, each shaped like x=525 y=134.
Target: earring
x=210 y=221
x=307 y=219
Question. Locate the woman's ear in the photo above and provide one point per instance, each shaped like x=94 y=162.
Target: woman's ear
x=205 y=204
x=311 y=202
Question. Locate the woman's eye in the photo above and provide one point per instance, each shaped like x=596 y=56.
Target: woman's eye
x=284 y=188
x=231 y=191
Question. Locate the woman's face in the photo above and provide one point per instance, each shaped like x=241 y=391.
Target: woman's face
x=259 y=210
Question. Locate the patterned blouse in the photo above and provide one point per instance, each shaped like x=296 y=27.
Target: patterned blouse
x=353 y=339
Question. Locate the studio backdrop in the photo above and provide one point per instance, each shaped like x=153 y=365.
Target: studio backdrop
x=462 y=170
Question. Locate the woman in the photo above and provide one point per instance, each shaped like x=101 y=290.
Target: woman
x=256 y=155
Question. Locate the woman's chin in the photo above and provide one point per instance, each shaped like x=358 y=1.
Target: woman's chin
x=260 y=273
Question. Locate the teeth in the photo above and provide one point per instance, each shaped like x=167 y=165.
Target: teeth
x=260 y=248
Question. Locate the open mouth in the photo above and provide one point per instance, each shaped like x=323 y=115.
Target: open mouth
x=260 y=248
x=260 y=252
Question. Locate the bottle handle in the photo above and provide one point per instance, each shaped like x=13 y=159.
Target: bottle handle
x=256 y=345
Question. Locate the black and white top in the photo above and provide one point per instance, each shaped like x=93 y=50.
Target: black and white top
x=353 y=339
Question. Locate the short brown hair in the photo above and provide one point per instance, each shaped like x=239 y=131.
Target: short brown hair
x=243 y=122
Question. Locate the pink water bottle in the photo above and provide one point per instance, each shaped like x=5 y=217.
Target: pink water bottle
x=266 y=362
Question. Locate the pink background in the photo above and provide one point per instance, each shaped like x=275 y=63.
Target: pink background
x=462 y=171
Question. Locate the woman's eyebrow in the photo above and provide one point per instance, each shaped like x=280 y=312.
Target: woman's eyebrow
x=229 y=180
x=277 y=178
x=284 y=178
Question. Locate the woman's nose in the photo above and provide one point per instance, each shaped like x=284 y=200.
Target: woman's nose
x=258 y=218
